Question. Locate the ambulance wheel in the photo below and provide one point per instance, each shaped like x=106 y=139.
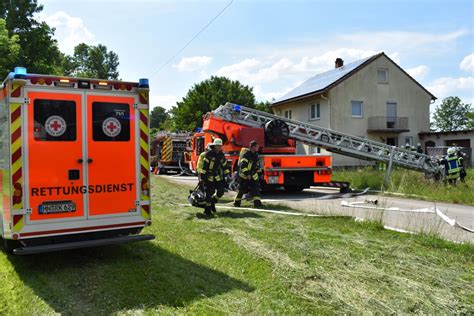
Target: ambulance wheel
x=9 y=245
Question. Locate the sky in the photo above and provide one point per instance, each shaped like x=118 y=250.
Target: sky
x=272 y=46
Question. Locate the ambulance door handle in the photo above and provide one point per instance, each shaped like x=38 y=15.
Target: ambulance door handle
x=80 y=160
x=89 y=160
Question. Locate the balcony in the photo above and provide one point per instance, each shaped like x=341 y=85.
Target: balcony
x=387 y=124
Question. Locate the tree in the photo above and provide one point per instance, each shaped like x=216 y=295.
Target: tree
x=158 y=116
x=452 y=115
x=92 y=62
x=9 y=49
x=39 y=51
x=264 y=106
x=207 y=96
x=470 y=123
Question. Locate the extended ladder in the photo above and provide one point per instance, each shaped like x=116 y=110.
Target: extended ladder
x=344 y=144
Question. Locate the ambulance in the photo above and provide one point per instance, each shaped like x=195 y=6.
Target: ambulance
x=74 y=162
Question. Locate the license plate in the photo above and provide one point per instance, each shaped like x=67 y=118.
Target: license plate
x=57 y=207
x=273 y=179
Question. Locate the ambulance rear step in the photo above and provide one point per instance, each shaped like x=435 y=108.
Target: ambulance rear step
x=80 y=244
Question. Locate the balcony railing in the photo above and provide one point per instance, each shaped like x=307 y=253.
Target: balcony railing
x=387 y=124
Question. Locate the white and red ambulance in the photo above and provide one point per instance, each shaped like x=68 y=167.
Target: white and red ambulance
x=74 y=162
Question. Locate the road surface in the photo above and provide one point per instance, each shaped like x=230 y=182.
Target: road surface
x=410 y=216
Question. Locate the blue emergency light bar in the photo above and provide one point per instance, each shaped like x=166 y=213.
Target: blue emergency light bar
x=236 y=108
x=143 y=83
x=199 y=129
x=20 y=72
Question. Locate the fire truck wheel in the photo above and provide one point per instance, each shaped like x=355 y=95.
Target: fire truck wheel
x=294 y=188
x=162 y=171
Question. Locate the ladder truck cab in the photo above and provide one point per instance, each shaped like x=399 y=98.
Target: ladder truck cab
x=281 y=166
x=74 y=162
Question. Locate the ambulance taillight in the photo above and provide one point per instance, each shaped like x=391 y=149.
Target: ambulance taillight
x=17 y=193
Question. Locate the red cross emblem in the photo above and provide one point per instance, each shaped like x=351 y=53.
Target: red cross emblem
x=111 y=127
x=56 y=126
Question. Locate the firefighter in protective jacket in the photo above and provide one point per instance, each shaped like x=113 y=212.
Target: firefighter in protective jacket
x=451 y=165
x=213 y=173
x=250 y=172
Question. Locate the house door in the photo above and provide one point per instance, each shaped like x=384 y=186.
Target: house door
x=391 y=114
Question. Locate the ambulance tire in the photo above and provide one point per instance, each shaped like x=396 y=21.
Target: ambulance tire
x=9 y=245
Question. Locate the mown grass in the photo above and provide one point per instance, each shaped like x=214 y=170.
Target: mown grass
x=411 y=183
x=245 y=262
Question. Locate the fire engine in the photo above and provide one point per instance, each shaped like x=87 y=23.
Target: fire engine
x=282 y=167
x=168 y=151
x=74 y=162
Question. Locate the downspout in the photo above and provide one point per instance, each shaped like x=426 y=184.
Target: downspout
x=329 y=107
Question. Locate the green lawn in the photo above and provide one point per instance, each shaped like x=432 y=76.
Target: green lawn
x=245 y=262
x=411 y=183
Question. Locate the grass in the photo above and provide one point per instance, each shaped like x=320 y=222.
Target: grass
x=245 y=262
x=411 y=183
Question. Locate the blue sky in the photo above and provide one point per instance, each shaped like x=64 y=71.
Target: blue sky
x=271 y=45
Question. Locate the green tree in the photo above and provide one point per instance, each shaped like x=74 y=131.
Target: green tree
x=263 y=106
x=9 y=49
x=207 y=96
x=158 y=116
x=38 y=52
x=452 y=115
x=92 y=62
x=470 y=123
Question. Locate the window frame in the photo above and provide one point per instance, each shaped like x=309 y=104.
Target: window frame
x=361 y=109
x=317 y=112
x=71 y=131
x=386 y=75
x=126 y=125
x=288 y=114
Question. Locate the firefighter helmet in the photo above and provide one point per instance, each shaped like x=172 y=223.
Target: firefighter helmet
x=451 y=150
x=217 y=142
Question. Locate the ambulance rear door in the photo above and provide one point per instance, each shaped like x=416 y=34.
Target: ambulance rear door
x=112 y=155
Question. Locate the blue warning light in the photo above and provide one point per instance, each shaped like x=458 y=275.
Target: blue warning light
x=20 y=72
x=236 y=108
x=143 y=83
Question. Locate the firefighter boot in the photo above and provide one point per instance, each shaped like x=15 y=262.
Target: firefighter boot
x=208 y=211
x=213 y=207
x=257 y=204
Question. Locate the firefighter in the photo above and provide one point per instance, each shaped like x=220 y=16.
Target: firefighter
x=213 y=171
x=200 y=161
x=461 y=160
x=418 y=148
x=249 y=173
x=451 y=165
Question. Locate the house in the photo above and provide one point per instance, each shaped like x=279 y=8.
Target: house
x=372 y=97
x=433 y=142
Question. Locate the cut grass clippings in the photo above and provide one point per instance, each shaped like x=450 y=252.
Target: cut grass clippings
x=410 y=183
x=245 y=262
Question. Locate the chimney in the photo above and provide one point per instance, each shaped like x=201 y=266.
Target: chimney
x=339 y=62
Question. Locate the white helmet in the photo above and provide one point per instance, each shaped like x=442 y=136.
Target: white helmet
x=451 y=150
x=217 y=142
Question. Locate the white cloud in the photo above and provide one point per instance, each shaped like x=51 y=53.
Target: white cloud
x=165 y=101
x=70 y=31
x=447 y=86
x=254 y=71
x=193 y=63
x=419 y=72
x=467 y=63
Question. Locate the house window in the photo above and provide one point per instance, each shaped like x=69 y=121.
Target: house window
x=315 y=111
x=288 y=114
x=356 y=108
x=382 y=75
x=409 y=140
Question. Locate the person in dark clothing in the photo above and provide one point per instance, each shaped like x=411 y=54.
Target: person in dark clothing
x=250 y=172
x=419 y=149
x=213 y=173
x=451 y=165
